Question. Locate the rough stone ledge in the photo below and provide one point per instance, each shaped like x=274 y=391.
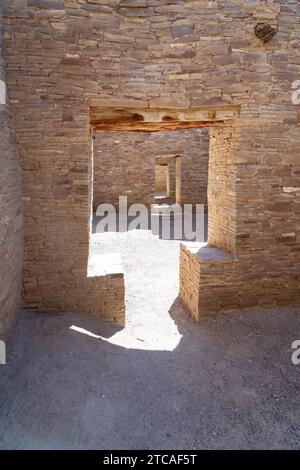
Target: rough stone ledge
x=207 y=253
x=105 y=264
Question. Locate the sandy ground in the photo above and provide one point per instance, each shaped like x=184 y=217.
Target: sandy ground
x=163 y=382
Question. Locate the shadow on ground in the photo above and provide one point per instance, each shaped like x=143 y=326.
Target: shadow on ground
x=228 y=383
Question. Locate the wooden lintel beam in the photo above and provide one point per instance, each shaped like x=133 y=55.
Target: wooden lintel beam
x=140 y=126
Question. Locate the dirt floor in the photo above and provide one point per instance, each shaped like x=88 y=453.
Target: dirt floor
x=163 y=382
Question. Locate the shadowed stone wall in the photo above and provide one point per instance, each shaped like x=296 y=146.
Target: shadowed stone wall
x=11 y=244
x=64 y=57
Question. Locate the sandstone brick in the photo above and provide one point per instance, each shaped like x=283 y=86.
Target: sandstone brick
x=181 y=30
x=51 y=4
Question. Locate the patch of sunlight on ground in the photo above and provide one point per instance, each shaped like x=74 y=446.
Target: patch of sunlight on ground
x=146 y=340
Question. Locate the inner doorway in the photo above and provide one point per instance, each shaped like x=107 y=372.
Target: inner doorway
x=162 y=181
x=154 y=169
x=152 y=122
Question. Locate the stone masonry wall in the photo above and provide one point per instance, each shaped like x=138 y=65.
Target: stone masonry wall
x=221 y=188
x=63 y=57
x=11 y=244
x=124 y=164
x=194 y=166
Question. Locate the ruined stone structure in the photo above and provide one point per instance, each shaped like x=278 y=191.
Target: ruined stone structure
x=124 y=164
x=78 y=66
